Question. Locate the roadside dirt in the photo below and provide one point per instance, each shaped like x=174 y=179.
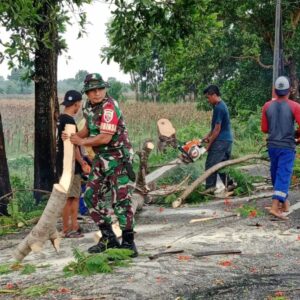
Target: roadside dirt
x=268 y=266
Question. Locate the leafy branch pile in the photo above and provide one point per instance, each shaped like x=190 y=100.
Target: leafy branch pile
x=25 y=269
x=31 y=291
x=86 y=264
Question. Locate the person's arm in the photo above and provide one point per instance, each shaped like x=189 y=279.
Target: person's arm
x=264 y=121
x=297 y=113
x=84 y=132
x=108 y=127
x=84 y=165
x=213 y=135
x=206 y=138
x=100 y=139
x=79 y=157
x=218 y=117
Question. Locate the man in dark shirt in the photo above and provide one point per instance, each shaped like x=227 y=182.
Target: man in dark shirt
x=278 y=120
x=72 y=104
x=219 y=139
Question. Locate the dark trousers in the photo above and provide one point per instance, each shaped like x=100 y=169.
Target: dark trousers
x=219 y=151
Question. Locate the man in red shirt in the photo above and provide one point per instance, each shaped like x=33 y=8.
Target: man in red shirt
x=278 y=121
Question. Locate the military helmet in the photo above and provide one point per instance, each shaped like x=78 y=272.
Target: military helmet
x=93 y=81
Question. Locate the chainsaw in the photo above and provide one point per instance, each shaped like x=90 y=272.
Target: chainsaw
x=191 y=150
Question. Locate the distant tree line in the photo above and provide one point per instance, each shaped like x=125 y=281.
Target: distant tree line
x=18 y=84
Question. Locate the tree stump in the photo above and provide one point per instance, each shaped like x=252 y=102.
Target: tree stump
x=143 y=168
x=166 y=135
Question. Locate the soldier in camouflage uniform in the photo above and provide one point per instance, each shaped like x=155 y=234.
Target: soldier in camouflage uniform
x=106 y=132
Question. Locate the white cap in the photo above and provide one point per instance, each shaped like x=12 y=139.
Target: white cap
x=282 y=86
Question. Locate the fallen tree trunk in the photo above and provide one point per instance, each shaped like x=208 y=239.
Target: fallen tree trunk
x=161 y=171
x=46 y=227
x=181 y=199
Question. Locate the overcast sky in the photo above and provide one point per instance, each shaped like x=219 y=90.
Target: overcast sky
x=85 y=52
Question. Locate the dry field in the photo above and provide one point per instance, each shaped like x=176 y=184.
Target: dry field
x=141 y=118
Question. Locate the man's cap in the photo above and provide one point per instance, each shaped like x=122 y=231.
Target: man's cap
x=94 y=81
x=282 y=86
x=71 y=97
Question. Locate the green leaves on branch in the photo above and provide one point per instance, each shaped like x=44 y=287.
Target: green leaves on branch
x=104 y=262
x=31 y=23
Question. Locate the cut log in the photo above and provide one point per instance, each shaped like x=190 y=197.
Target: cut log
x=181 y=199
x=166 y=134
x=46 y=226
x=89 y=150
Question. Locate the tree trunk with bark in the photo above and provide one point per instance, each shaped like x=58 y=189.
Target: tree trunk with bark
x=135 y=85
x=46 y=227
x=46 y=103
x=294 y=80
x=5 y=187
x=143 y=169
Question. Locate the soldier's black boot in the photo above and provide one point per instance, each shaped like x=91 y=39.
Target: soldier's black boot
x=128 y=242
x=108 y=240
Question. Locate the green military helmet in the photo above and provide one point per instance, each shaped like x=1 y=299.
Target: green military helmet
x=93 y=81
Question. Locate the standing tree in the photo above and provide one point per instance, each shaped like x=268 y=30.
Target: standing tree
x=5 y=187
x=142 y=35
x=229 y=43
x=35 y=42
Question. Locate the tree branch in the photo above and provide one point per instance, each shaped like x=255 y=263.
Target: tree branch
x=255 y=58
x=181 y=199
x=295 y=18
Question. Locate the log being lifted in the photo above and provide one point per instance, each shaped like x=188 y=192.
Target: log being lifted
x=46 y=227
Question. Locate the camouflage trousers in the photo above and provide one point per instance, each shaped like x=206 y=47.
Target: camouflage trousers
x=108 y=191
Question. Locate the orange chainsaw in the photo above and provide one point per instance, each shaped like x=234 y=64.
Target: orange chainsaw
x=191 y=150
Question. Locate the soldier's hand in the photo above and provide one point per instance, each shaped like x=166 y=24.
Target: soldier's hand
x=86 y=168
x=64 y=136
x=76 y=140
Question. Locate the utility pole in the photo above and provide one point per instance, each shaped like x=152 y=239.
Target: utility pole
x=278 y=47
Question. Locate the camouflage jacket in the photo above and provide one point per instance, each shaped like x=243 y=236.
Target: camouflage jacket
x=106 y=117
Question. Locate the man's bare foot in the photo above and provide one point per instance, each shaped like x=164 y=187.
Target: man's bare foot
x=278 y=214
x=276 y=210
x=285 y=206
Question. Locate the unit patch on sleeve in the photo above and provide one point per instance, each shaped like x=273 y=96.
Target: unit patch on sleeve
x=109 y=120
x=108 y=115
